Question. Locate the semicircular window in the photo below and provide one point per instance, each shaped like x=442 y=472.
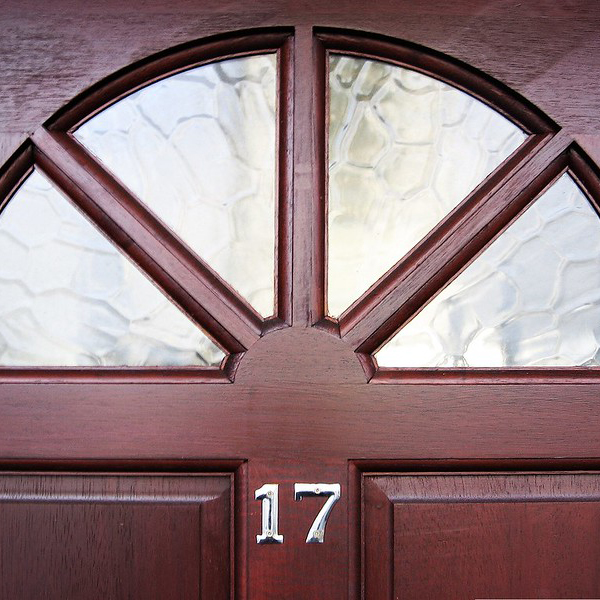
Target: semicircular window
x=68 y=297
x=90 y=278
x=532 y=298
x=404 y=150
x=198 y=149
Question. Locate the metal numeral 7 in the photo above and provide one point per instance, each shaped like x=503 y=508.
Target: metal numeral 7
x=316 y=533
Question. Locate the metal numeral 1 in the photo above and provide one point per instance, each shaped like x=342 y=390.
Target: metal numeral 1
x=316 y=533
x=269 y=494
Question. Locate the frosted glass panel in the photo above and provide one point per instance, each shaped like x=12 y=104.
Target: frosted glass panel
x=404 y=150
x=198 y=148
x=69 y=298
x=531 y=299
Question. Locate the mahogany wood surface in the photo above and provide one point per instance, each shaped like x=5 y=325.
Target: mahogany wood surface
x=300 y=403
x=547 y=51
x=309 y=184
x=114 y=536
x=486 y=535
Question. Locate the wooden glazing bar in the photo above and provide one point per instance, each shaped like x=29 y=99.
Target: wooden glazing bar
x=192 y=285
x=440 y=257
x=308 y=208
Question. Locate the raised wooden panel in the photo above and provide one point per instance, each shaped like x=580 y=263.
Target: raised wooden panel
x=95 y=537
x=484 y=535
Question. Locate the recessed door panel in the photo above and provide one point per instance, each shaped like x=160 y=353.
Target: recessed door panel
x=483 y=535
x=94 y=537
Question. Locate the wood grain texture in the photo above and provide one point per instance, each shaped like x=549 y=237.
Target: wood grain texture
x=544 y=50
x=285 y=135
x=458 y=74
x=300 y=406
x=378 y=556
x=114 y=536
x=287 y=400
x=296 y=569
x=488 y=535
x=162 y=64
x=520 y=550
x=308 y=209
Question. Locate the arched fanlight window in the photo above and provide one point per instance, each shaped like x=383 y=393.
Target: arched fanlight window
x=154 y=225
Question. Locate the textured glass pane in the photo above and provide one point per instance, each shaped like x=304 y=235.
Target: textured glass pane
x=69 y=298
x=531 y=299
x=198 y=148
x=404 y=150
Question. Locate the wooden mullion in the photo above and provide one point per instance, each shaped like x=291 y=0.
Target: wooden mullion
x=488 y=375
x=115 y=375
x=147 y=241
x=452 y=246
x=285 y=171
x=462 y=212
x=587 y=174
x=308 y=205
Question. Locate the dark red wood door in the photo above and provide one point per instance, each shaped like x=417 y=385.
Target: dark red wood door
x=455 y=482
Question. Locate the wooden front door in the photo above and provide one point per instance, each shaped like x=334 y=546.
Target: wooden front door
x=153 y=482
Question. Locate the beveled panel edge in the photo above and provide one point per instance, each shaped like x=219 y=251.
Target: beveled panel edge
x=232 y=491
x=364 y=487
x=20 y=493
x=391 y=466
x=543 y=493
x=134 y=466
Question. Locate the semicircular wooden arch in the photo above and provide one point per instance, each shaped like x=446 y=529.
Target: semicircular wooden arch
x=394 y=298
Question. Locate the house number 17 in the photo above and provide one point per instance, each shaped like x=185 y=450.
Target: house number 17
x=269 y=494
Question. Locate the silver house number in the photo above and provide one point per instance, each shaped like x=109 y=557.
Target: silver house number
x=332 y=491
x=269 y=494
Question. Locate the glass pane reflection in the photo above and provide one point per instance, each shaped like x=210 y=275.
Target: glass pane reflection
x=531 y=299
x=69 y=298
x=404 y=150
x=198 y=148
